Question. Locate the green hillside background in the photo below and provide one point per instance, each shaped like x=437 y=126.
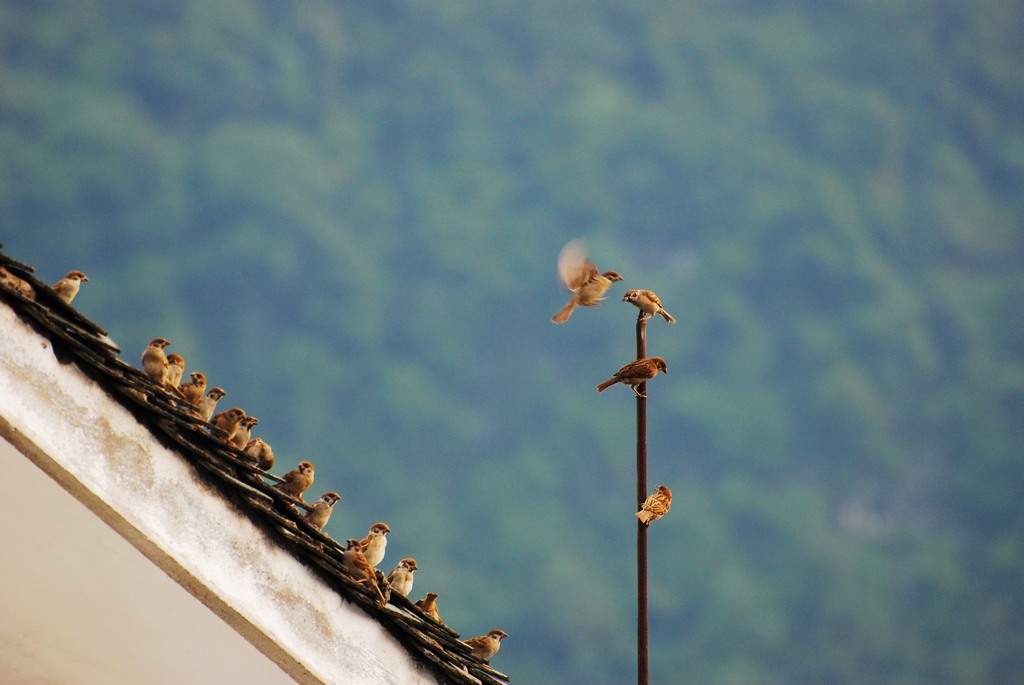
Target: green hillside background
x=348 y=216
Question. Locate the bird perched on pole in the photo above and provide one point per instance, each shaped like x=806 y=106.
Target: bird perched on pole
x=648 y=303
x=67 y=287
x=635 y=373
x=486 y=646
x=322 y=509
x=580 y=277
x=655 y=506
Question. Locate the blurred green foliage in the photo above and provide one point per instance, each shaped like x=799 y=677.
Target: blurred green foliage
x=347 y=214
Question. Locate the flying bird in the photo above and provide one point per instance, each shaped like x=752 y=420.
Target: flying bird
x=322 y=509
x=635 y=373
x=374 y=544
x=428 y=605
x=208 y=404
x=648 y=304
x=67 y=287
x=486 y=646
x=400 y=577
x=193 y=390
x=359 y=568
x=298 y=480
x=580 y=277
x=260 y=452
x=655 y=506
x=227 y=422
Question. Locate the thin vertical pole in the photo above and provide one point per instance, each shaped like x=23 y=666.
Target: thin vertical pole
x=641 y=495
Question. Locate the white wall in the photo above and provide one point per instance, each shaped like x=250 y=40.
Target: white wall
x=151 y=496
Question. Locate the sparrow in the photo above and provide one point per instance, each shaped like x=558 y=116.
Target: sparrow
x=208 y=404
x=322 y=510
x=486 y=646
x=15 y=284
x=374 y=544
x=655 y=506
x=635 y=373
x=242 y=434
x=359 y=568
x=428 y=605
x=175 y=369
x=579 y=276
x=154 y=361
x=298 y=480
x=67 y=287
x=193 y=390
x=400 y=577
x=227 y=422
x=648 y=304
x=260 y=452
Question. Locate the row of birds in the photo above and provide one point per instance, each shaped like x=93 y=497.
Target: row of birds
x=580 y=276
x=361 y=557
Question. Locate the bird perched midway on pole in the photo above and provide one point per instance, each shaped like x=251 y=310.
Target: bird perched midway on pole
x=655 y=506
x=635 y=373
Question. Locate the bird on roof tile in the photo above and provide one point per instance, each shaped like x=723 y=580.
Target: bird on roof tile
x=400 y=577
x=154 y=361
x=374 y=544
x=428 y=605
x=175 y=369
x=260 y=452
x=486 y=646
x=16 y=284
x=298 y=480
x=244 y=432
x=226 y=422
x=67 y=287
x=193 y=390
x=208 y=404
x=580 y=277
x=359 y=568
x=322 y=509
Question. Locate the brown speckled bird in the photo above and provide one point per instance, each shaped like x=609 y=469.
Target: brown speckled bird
x=486 y=646
x=298 y=480
x=193 y=390
x=580 y=277
x=260 y=452
x=428 y=605
x=355 y=563
x=656 y=505
x=400 y=577
x=322 y=509
x=635 y=373
x=208 y=404
x=175 y=369
x=67 y=287
x=227 y=422
x=16 y=284
x=244 y=432
x=154 y=361
x=648 y=304
x=375 y=543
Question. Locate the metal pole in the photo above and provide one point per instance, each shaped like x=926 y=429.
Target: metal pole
x=641 y=495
